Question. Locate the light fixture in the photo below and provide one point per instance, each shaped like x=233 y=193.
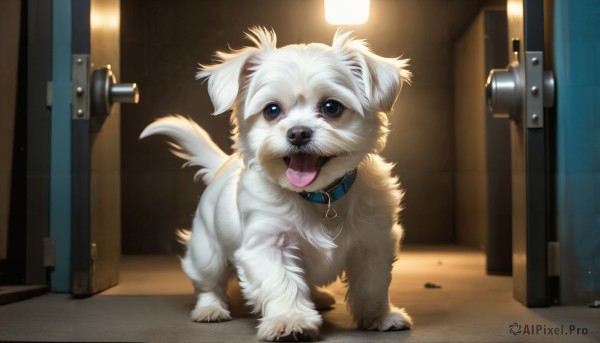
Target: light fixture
x=347 y=12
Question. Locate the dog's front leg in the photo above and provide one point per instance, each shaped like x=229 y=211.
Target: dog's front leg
x=271 y=278
x=368 y=274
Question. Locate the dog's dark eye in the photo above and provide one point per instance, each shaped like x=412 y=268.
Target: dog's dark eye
x=272 y=111
x=332 y=108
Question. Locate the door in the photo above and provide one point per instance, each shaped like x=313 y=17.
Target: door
x=86 y=180
x=521 y=92
x=577 y=52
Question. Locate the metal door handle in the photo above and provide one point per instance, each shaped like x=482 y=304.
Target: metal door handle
x=504 y=91
x=124 y=92
x=104 y=92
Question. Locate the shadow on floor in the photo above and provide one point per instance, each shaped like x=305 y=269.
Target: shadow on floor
x=154 y=298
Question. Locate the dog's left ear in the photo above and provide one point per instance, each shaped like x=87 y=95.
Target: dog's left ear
x=379 y=79
x=233 y=69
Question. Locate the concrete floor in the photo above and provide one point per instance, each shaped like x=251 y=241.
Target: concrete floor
x=153 y=301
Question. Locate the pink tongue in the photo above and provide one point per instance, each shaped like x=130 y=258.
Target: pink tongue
x=302 y=170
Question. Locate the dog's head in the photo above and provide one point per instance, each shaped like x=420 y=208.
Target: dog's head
x=305 y=114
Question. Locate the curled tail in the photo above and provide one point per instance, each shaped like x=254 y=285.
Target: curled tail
x=183 y=236
x=191 y=143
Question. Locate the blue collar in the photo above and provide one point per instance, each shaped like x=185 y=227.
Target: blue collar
x=334 y=193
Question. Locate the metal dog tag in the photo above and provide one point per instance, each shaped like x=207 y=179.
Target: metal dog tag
x=332 y=227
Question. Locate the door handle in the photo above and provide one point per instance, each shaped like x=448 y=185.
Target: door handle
x=504 y=91
x=105 y=91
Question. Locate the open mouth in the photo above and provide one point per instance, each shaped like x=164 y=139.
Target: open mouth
x=303 y=169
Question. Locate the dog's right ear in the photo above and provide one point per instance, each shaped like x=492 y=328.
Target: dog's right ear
x=379 y=79
x=234 y=69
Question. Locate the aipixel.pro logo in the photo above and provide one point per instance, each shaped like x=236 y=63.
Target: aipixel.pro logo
x=546 y=330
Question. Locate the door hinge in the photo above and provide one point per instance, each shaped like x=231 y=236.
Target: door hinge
x=553 y=259
x=80 y=70
x=93 y=256
x=49 y=252
x=49 y=94
x=539 y=89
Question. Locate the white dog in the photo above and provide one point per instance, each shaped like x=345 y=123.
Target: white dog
x=305 y=198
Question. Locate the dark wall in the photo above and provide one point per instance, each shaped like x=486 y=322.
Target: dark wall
x=163 y=41
x=13 y=137
x=9 y=58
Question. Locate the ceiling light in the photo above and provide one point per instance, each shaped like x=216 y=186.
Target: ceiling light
x=347 y=12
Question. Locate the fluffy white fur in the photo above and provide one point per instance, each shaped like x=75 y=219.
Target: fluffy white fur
x=250 y=218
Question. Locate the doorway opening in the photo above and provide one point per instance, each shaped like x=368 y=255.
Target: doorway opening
x=452 y=157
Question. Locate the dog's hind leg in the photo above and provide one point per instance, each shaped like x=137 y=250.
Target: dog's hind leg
x=211 y=306
x=206 y=266
x=322 y=299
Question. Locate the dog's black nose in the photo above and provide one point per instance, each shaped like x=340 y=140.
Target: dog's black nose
x=299 y=135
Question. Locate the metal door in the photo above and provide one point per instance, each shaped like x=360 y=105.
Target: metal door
x=577 y=52
x=521 y=92
x=86 y=182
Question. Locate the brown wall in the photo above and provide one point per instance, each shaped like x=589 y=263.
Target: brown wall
x=9 y=54
x=470 y=139
x=482 y=144
x=162 y=42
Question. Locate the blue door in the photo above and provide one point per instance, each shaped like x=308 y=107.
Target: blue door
x=576 y=54
x=85 y=199
x=522 y=91
x=555 y=148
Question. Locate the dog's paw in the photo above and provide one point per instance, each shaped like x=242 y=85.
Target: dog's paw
x=395 y=320
x=292 y=327
x=322 y=299
x=294 y=337
x=210 y=307
x=208 y=314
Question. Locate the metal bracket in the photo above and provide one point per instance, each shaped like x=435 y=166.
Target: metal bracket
x=93 y=255
x=80 y=72
x=534 y=89
x=49 y=255
x=49 y=94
